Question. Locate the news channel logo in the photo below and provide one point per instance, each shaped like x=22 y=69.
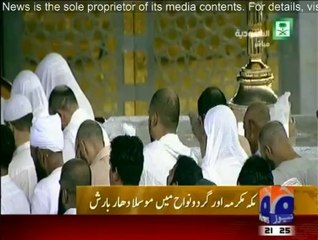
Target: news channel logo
x=282 y=28
x=276 y=208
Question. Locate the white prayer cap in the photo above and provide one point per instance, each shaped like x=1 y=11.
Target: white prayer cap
x=46 y=133
x=16 y=107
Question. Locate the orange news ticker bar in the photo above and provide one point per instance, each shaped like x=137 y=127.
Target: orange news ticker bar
x=185 y=200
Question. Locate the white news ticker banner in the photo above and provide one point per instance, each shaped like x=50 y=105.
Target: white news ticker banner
x=276 y=230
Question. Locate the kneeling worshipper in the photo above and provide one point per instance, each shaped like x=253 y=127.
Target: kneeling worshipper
x=75 y=172
x=46 y=149
x=224 y=155
x=18 y=115
x=54 y=71
x=28 y=84
x=13 y=199
x=162 y=153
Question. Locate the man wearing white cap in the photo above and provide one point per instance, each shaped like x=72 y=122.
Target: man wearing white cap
x=46 y=149
x=18 y=115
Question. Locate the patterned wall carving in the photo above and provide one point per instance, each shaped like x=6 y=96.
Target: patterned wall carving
x=191 y=51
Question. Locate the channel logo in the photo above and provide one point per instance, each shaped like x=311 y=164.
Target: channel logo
x=282 y=28
x=276 y=208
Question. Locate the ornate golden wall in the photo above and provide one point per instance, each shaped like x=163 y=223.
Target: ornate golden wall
x=88 y=43
x=189 y=51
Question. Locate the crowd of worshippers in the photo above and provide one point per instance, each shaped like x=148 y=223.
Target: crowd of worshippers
x=51 y=143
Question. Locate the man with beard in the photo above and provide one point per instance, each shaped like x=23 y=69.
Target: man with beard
x=46 y=150
x=287 y=164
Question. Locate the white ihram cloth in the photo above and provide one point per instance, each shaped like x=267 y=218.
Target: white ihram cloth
x=46 y=133
x=16 y=107
x=46 y=194
x=28 y=84
x=70 y=211
x=70 y=132
x=13 y=200
x=53 y=71
x=224 y=155
x=159 y=158
x=22 y=169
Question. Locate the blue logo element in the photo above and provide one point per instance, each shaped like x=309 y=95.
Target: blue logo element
x=276 y=205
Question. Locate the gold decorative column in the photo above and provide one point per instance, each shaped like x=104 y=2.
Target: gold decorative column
x=255 y=78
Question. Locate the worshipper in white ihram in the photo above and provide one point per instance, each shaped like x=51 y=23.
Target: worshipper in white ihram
x=209 y=98
x=28 y=84
x=18 y=115
x=46 y=148
x=161 y=154
x=53 y=71
x=13 y=199
x=224 y=155
x=63 y=101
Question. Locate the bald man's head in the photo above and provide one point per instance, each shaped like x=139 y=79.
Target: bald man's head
x=272 y=133
x=90 y=129
x=256 y=116
x=259 y=112
x=89 y=140
x=75 y=172
x=164 y=110
x=274 y=143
